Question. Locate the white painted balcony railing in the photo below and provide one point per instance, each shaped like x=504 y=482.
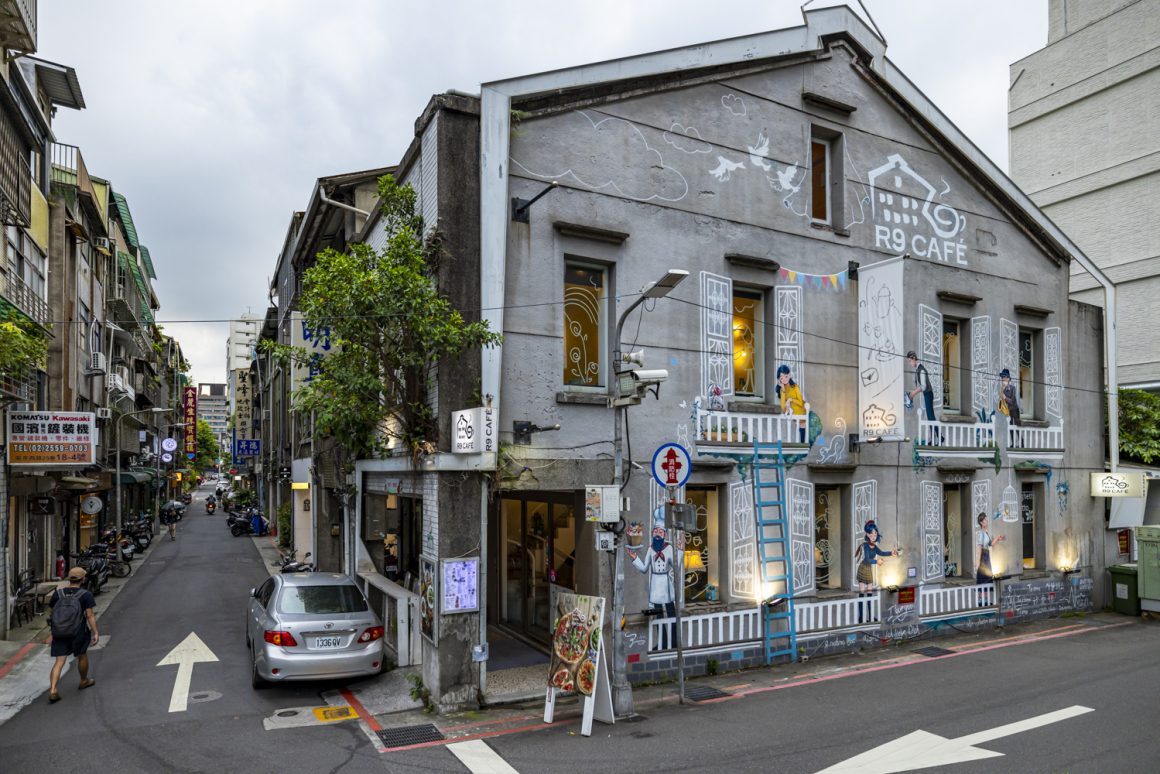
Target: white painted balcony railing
x=836 y=614
x=707 y=630
x=1023 y=437
x=714 y=427
x=954 y=599
x=956 y=435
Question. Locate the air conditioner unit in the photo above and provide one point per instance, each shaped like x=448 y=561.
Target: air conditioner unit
x=104 y=413
x=97 y=364
x=101 y=242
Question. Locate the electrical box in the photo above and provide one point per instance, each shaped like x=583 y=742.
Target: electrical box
x=684 y=516
x=605 y=540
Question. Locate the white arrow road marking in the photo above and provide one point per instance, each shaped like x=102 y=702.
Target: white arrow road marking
x=190 y=651
x=479 y=758
x=922 y=749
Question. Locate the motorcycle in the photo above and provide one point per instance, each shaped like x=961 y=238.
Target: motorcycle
x=257 y=524
x=210 y=507
x=187 y=498
x=295 y=566
x=96 y=568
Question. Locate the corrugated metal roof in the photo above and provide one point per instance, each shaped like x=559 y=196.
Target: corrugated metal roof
x=129 y=262
x=148 y=262
x=126 y=219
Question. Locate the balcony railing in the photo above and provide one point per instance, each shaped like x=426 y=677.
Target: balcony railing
x=24 y=298
x=18 y=25
x=729 y=428
x=951 y=436
x=68 y=167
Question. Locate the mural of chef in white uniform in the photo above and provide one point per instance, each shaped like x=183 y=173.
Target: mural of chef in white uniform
x=657 y=562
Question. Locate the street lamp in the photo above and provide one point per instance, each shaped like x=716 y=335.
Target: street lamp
x=621 y=690
x=117 y=538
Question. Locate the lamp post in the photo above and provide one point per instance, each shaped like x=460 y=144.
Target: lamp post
x=621 y=690
x=118 y=434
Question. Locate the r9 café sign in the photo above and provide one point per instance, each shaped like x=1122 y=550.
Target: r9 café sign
x=1117 y=485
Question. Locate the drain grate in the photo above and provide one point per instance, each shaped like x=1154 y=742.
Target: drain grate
x=933 y=652
x=403 y=736
x=704 y=693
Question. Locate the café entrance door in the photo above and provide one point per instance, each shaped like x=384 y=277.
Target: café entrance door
x=537 y=552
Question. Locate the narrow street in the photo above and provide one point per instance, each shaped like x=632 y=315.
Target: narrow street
x=198 y=583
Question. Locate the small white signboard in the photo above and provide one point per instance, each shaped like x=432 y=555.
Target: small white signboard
x=473 y=431
x=460 y=586
x=601 y=503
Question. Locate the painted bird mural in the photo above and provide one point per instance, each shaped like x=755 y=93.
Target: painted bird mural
x=725 y=168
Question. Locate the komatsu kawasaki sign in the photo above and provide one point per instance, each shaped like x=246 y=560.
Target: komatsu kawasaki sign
x=473 y=431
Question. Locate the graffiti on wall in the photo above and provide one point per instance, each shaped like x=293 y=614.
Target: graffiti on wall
x=833 y=451
x=742 y=548
x=909 y=217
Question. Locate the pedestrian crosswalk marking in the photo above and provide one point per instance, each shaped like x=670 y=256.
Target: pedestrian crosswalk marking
x=479 y=758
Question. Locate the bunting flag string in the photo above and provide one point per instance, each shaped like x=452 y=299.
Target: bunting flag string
x=817 y=281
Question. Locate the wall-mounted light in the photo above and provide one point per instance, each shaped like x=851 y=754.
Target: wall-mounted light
x=520 y=206
x=522 y=431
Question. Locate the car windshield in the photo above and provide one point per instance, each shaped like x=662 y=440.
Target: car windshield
x=321 y=599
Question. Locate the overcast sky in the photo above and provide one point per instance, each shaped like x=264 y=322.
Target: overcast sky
x=215 y=118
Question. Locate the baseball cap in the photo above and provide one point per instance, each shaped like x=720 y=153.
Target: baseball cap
x=77 y=573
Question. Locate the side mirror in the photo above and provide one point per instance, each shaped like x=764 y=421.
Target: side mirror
x=307 y=555
x=254 y=593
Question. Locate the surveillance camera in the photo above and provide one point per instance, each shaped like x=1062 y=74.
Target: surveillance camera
x=650 y=376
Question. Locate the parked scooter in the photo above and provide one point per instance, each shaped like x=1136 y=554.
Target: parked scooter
x=96 y=569
x=289 y=564
x=257 y=524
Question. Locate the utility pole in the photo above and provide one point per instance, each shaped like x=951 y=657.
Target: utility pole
x=622 y=706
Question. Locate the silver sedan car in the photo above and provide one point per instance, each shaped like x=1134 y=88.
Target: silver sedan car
x=312 y=626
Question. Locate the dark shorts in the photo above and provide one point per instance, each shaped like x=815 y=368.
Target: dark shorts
x=78 y=646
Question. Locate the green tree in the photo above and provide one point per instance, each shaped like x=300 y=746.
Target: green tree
x=389 y=326
x=1139 y=425
x=23 y=346
x=208 y=448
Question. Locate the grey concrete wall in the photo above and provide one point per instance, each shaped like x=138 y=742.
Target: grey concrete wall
x=683 y=174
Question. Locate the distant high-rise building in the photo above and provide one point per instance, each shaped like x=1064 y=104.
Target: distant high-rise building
x=213 y=406
x=1084 y=121
x=241 y=342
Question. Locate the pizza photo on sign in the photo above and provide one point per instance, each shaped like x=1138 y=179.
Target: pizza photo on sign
x=576 y=643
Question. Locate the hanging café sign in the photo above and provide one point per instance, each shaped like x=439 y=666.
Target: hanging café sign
x=1117 y=485
x=51 y=438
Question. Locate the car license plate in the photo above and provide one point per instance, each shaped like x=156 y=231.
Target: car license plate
x=328 y=642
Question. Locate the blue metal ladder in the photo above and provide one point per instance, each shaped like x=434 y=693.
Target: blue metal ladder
x=774 y=552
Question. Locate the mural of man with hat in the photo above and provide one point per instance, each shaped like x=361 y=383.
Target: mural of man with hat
x=658 y=562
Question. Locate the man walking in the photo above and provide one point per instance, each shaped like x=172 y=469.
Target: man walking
x=74 y=628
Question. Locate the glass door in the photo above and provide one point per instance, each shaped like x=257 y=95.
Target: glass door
x=537 y=552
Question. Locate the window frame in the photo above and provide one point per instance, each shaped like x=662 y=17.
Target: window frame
x=1031 y=396
x=827 y=147
x=603 y=371
x=760 y=357
x=954 y=373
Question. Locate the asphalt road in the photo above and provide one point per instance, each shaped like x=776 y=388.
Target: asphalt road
x=813 y=724
x=198 y=583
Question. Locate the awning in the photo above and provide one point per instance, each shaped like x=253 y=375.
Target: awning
x=79 y=483
x=129 y=477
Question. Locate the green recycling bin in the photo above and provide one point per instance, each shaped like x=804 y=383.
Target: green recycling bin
x=1124 y=596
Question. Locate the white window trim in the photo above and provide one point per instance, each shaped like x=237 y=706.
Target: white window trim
x=828 y=145
x=604 y=372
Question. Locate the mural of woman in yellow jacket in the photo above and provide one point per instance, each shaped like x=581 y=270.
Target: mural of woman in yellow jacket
x=792 y=401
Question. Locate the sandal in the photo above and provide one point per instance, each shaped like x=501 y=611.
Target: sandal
x=88 y=683
x=53 y=698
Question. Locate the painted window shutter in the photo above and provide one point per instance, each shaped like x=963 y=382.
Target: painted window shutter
x=865 y=509
x=800 y=501
x=983 y=391
x=1053 y=372
x=1008 y=348
x=788 y=314
x=932 y=531
x=742 y=545
x=716 y=333
x=931 y=327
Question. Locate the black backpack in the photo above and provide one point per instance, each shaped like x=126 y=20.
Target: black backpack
x=68 y=615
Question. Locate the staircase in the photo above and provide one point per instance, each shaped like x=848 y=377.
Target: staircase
x=773 y=552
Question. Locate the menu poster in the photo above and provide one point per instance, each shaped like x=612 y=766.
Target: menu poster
x=460 y=585
x=578 y=657
x=427 y=598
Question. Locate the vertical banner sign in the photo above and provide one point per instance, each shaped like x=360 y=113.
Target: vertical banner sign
x=189 y=409
x=244 y=405
x=881 y=377
x=317 y=344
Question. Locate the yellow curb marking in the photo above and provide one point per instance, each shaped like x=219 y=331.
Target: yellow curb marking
x=334 y=714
